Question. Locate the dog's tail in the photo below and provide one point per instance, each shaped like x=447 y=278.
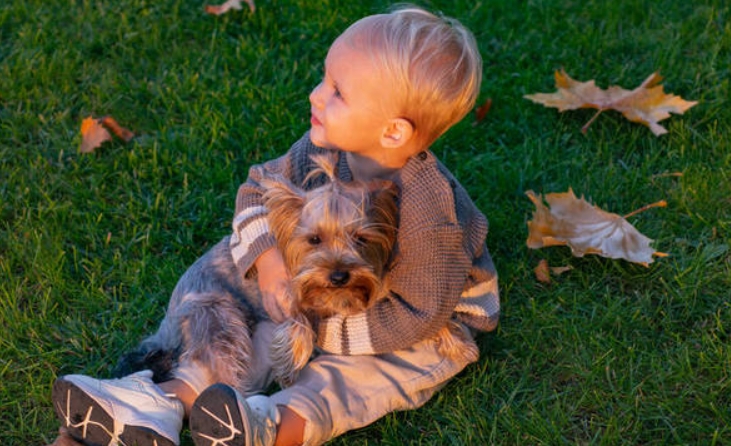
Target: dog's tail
x=159 y=353
x=148 y=357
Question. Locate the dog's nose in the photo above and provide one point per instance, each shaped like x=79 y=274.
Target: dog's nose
x=339 y=278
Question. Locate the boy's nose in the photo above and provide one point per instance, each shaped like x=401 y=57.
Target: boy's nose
x=315 y=96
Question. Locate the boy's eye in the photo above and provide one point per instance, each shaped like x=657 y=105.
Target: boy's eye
x=336 y=92
x=314 y=240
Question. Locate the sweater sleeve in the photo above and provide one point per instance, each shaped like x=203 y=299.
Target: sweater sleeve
x=427 y=278
x=479 y=302
x=251 y=235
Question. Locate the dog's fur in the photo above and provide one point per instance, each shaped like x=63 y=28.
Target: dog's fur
x=336 y=241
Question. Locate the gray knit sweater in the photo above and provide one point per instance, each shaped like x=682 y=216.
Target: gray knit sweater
x=441 y=269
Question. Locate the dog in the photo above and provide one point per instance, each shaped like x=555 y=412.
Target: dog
x=336 y=240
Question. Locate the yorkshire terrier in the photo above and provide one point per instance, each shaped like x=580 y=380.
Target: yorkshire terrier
x=336 y=241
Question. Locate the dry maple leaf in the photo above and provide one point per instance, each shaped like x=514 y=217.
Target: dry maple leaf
x=543 y=271
x=586 y=229
x=95 y=132
x=646 y=104
x=543 y=274
x=228 y=5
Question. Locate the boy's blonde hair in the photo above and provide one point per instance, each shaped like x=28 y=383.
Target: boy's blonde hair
x=433 y=61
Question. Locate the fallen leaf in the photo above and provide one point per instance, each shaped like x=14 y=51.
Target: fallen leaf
x=586 y=229
x=228 y=5
x=646 y=104
x=542 y=272
x=93 y=134
x=482 y=110
x=558 y=270
x=117 y=129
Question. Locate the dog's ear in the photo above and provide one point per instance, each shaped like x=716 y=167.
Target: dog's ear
x=284 y=201
x=384 y=197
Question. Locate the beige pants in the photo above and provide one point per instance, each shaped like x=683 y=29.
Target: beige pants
x=336 y=394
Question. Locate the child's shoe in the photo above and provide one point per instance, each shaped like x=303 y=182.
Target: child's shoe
x=222 y=417
x=126 y=412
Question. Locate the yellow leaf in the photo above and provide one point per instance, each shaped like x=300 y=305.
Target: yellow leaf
x=586 y=229
x=646 y=104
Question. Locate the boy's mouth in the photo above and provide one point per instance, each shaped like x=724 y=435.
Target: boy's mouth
x=314 y=120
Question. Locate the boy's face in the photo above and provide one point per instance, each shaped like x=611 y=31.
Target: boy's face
x=353 y=103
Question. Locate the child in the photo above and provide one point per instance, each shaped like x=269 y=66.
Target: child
x=393 y=84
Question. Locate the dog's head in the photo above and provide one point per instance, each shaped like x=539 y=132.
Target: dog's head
x=336 y=239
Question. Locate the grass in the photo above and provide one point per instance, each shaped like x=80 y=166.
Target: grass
x=610 y=353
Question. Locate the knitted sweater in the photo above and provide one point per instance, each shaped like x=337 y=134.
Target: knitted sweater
x=441 y=268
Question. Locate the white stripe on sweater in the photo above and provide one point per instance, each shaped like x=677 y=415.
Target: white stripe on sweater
x=245 y=234
x=332 y=342
x=480 y=289
x=359 y=335
x=471 y=309
x=355 y=329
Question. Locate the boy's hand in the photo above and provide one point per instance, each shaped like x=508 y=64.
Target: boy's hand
x=274 y=285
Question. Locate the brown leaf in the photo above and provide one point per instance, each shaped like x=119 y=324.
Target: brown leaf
x=482 y=110
x=228 y=5
x=117 y=129
x=543 y=271
x=586 y=229
x=93 y=134
x=558 y=270
x=543 y=274
x=646 y=104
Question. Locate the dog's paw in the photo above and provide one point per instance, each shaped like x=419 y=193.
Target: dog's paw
x=456 y=344
x=291 y=350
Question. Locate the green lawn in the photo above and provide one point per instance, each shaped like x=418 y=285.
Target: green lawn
x=610 y=353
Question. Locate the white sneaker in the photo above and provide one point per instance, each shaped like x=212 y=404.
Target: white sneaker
x=131 y=411
x=222 y=417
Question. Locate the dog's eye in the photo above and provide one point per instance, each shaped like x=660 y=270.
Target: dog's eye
x=314 y=240
x=360 y=240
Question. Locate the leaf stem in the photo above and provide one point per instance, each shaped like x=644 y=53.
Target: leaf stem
x=593 y=118
x=659 y=204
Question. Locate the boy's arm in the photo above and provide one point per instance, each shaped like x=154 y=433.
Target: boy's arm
x=442 y=266
x=425 y=287
x=273 y=281
x=479 y=303
x=251 y=235
x=253 y=246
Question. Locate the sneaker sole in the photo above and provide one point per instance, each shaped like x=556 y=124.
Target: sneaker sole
x=87 y=422
x=215 y=419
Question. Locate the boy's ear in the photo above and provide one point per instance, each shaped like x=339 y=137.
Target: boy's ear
x=397 y=132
